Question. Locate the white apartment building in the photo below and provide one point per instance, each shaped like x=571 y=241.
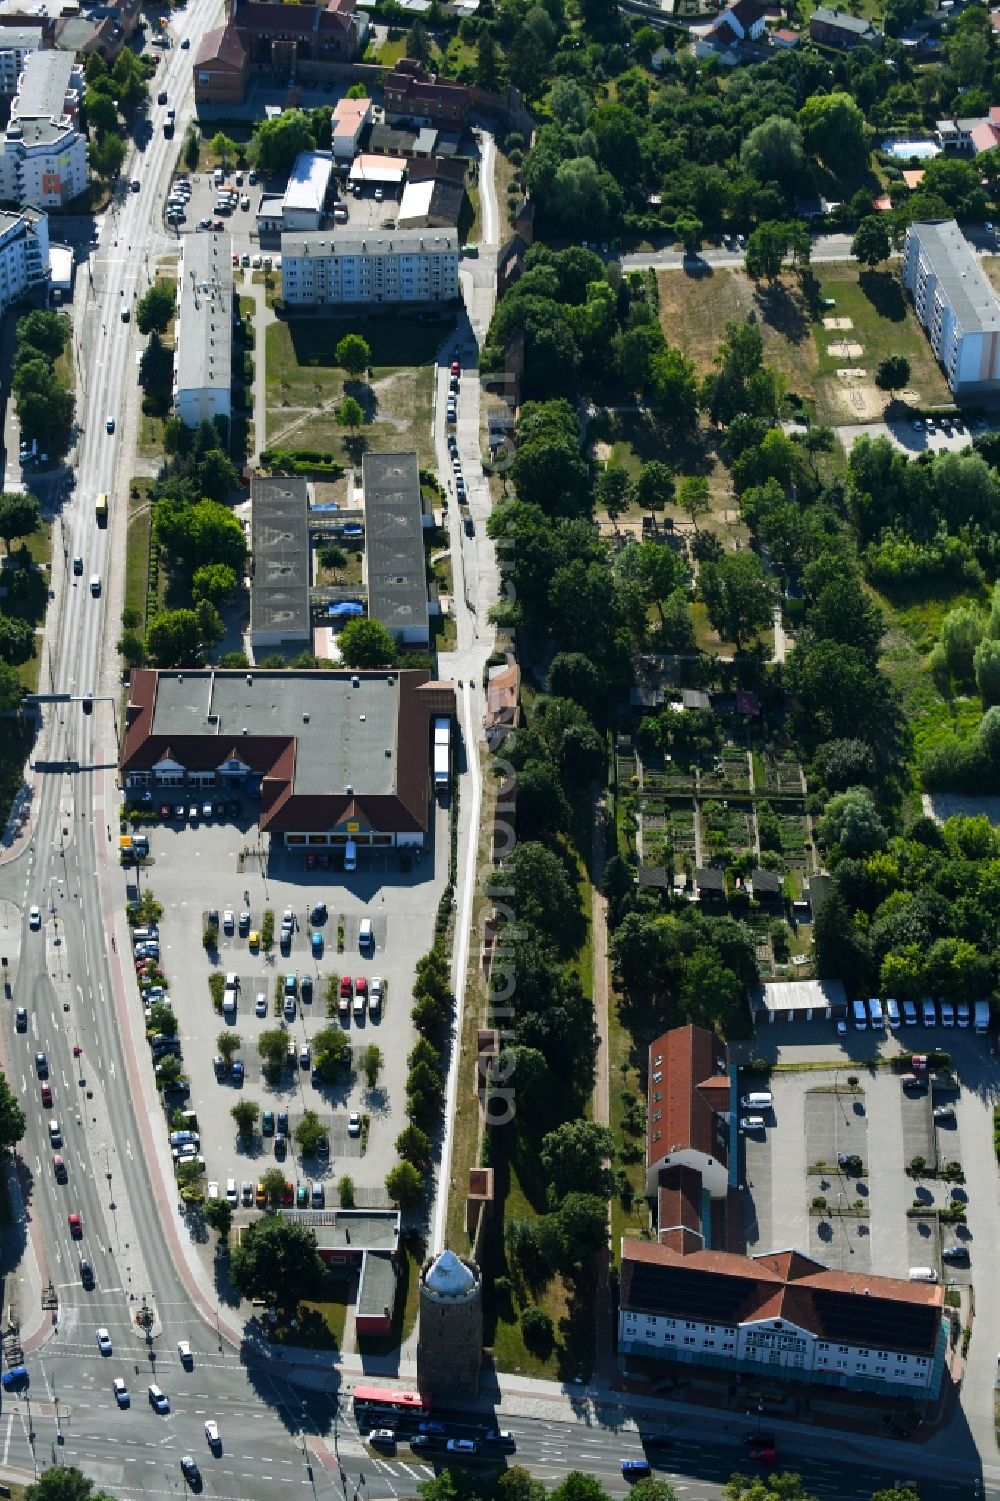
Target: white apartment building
x=956 y=305
x=43 y=157
x=24 y=254
x=308 y=185
x=203 y=357
x=16 y=44
x=408 y=265
x=782 y=1316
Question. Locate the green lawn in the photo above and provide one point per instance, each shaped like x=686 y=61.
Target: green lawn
x=137 y=548
x=883 y=323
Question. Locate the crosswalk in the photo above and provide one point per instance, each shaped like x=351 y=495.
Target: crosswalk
x=415 y=1472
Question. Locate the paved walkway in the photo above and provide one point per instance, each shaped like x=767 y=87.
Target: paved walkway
x=263 y=316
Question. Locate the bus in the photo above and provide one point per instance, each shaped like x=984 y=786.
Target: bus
x=374 y=1404
x=101 y=507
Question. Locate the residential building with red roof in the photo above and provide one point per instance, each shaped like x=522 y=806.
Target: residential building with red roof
x=688 y=1108
x=220 y=67
x=411 y=94
x=781 y=1316
x=278 y=37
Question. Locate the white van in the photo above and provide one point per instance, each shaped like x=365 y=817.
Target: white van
x=909 y=1013
x=875 y=1011
x=923 y=1274
x=860 y=1013
x=763 y=1100
x=230 y=1190
x=350 y=855
x=930 y=1014
x=947 y=1014
x=892 y=1013
x=963 y=1014
x=229 y=1003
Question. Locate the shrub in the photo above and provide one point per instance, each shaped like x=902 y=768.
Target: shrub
x=536 y=1330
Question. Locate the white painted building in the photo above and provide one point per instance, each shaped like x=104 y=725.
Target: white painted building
x=956 y=305
x=305 y=196
x=24 y=254
x=203 y=357
x=16 y=45
x=409 y=265
x=782 y=1316
x=349 y=118
x=43 y=157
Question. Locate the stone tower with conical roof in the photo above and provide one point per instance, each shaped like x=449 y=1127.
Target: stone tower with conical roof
x=450 y=1340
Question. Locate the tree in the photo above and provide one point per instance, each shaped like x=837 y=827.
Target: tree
x=203 y=532
x=986 y=664
x=652 y=1488
x=228 y=1043
x=216 y=475
x=64 y=1483
x=689 y=229
x=18 y=515
x=536 y=1328
x=612 y=491
x=371 y=1063
x=272 y=1046
x=404 y=1185
x=414 y=1145
x=535 y=882
x=273 y=1183
x=155 y=308
x=168 y=1071
x=673 y=390
x=10 y=688
x=850 y=821
x=765 y=253
x=162 y=1020
x=573 y=1157
x=893 y=373
x=366 y=643
x=17 y=640
x=245 y=1113
x=694 y=497
x=219 y=1215
x=331 y=1052
x=353 y=354
x=833 y=129
x=174 y=639
x=189 y=1183
x=224 y=147
x=738 y=596
x=583 y=1228
x=106 y=155
x=47 y=332
x=654 y=485
x=277 y=1260
x=279 y=141
x=418 y=43
x=871 y=244
x=12 y=1120
x=781 y=1487
x=215 y=582
x=961 y=632
x=309 y=1132
x=350 y=413
x=518 y=1484
x=773 y=151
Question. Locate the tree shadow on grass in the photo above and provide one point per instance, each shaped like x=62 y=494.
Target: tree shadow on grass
x=784 y=310
x=884 y=293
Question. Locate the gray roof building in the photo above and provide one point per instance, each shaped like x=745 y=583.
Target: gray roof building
x=397 y=574
x=45 y=85
x=956 y=305
x=377 y=242
x=279 y=594
x=203 y=358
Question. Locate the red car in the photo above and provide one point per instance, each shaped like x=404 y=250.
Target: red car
x=764 y=1455
x=361 y=985
x=75 y=1226
x=456 y=368
x=288 y=1193
x=46 y=1095
x=345 y=988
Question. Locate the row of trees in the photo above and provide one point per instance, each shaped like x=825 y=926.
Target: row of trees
x=433 y=1006
x=45 y=405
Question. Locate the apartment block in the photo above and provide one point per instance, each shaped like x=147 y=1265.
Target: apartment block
x=43 y=156
x=956 y=305
x=24 y=254
x=203 y=359
x=414 y=265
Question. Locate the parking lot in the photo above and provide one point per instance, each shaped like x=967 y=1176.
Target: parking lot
x=203 y=865
x=364 y=212
x=829 y=1171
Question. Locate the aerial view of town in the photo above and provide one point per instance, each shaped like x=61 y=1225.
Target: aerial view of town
x=499 y=750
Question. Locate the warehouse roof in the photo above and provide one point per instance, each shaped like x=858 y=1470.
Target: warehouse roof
x=204 y=354
x=279 y=597
x=309 y=181
x=397 y=578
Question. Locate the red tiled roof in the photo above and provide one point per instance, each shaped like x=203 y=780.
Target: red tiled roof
x=779 y=1285
x=679 y=1208
x=683 y=1099
x=222 y=45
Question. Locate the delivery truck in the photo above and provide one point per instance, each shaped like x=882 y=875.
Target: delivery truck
x=442 y=754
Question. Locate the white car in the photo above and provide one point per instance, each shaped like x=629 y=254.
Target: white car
x=375 y=988
x=228 y=921
x=212 y=1434
x=35 y=918
x=354 y=1123
x=184 y=1354
x=261 y=1006
x=289 y=1008
x=104 y=1341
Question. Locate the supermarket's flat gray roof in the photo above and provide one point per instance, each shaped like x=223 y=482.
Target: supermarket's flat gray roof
x=959 y=275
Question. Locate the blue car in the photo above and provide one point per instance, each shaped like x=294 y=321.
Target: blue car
x=317 y=945
x=635 y=1469
x=237 y=1071
x=16 y=1380
x=432 y=1426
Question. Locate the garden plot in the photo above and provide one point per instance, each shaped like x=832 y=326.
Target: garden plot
x=727 y=829
x=729 y=774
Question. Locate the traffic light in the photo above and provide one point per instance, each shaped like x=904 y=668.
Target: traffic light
x=88 y=704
